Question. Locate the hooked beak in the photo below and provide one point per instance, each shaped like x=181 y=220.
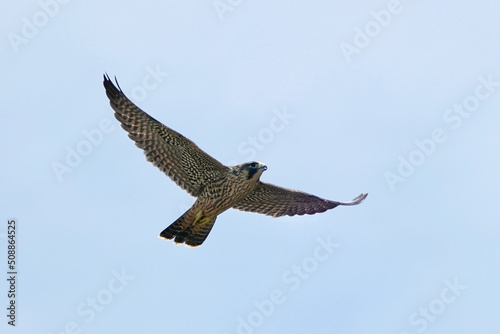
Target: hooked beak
x=263 y=167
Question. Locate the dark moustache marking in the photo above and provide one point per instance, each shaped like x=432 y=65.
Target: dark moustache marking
x=251 y=172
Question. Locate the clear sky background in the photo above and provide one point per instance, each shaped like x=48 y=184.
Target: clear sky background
x=397 y=99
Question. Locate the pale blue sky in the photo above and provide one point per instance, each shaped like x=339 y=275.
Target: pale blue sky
x=397 y=99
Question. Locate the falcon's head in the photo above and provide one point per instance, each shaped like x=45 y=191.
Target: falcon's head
x=252 y=169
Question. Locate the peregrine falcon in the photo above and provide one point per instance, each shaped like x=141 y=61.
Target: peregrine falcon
x=217 y=187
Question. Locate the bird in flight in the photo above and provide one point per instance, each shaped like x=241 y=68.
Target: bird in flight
x=217 y=187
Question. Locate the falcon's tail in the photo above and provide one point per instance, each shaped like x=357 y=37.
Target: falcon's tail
x=192 y=228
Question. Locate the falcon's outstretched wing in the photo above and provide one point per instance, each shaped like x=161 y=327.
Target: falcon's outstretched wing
x=276 y=201
x=178 y=157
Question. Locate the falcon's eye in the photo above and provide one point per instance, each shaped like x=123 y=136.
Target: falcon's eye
x=253 y=164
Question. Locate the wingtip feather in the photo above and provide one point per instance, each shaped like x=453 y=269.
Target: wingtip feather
x=359 y=199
